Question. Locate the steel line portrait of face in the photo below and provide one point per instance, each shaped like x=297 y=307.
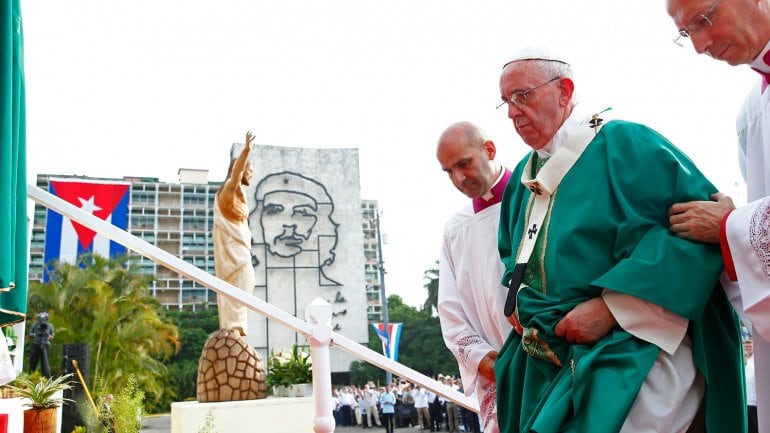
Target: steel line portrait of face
x=293 y=219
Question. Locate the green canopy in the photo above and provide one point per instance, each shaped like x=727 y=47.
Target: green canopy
x=13 y=173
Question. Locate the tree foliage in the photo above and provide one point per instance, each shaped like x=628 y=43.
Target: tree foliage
x=362 y=372
x=431 y=285
x=421 y=348
x=106 y=303
x=127 y=412
x=194 y=326
x=422 y=345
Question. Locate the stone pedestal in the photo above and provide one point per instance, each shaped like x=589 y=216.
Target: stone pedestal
x=273 y=414
x=229 y=369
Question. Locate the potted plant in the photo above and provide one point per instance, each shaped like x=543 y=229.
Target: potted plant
x=291 y=373
x=278 y=380
x=44 y=398
x=301 y=372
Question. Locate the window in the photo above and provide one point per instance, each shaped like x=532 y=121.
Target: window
x=40 y=213
x=147 y=236
x=142 y=221
x=143 y=197
x=147 y=266
x=38 y=239
x=194 y=296
x=194 y=219
x=194 y=242
x=194 y=200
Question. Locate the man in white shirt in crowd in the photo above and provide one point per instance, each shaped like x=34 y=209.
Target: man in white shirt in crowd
x=371 y=397
x=421 y=396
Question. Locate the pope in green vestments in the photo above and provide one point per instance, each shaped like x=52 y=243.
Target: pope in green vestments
x=607 y=228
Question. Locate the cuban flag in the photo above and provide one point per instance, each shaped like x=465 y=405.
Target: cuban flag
x=389 y=345
x=65 y=240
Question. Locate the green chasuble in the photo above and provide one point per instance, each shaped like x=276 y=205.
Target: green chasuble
x=14 y=249
x=607 y=227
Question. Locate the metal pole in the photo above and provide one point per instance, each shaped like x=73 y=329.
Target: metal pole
x=383 y=298
x=83 y=383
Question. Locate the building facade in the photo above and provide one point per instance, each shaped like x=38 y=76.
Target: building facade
x=177 y=217
x=305 y=220
x=372 y=260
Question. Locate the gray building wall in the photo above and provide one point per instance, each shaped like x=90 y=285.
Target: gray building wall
x=307 y=241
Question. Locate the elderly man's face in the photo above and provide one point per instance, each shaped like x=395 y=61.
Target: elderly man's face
x=727 y=30
x=287 y=220
x=540 y=117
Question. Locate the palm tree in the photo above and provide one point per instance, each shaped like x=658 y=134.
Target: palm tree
x=106 y=303
x=431 y=275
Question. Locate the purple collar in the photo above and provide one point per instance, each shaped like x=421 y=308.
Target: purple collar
x=479 y=204
x=765 y=75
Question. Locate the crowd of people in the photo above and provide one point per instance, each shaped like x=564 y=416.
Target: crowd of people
x=402 y=404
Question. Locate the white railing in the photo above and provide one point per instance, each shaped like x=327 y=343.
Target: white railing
x=318 y=331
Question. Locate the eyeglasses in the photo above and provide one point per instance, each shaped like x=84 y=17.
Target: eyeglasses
x=698 y=23
x=520 y=97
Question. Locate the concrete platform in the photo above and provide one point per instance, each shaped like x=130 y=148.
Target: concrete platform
x=272 y=414
x=162 y=424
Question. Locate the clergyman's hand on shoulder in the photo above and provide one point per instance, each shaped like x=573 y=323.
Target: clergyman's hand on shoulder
x=587 y=323
x=700 y=220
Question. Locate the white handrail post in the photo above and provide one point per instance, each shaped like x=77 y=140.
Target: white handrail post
x=319 y=316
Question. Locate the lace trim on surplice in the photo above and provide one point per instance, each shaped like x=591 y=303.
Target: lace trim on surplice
x=488 y=404
x=759 y=235
x=464 y=344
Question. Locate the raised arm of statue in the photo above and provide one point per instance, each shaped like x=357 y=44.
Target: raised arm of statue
x=231 y=199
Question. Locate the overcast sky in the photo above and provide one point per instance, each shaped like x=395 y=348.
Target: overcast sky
x=144 y=87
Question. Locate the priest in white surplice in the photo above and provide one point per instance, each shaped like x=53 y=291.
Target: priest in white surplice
x=232 y=240
x=471 y=298
x=738 y=33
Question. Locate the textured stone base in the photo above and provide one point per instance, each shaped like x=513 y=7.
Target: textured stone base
x=273 y=414
x=229 y=369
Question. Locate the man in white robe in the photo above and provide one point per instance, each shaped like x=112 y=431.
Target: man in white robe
x=471 y=298
x=738 y=32
x=232 y=240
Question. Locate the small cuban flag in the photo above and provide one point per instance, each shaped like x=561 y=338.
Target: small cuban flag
x=389 y=345
x=66 y=240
